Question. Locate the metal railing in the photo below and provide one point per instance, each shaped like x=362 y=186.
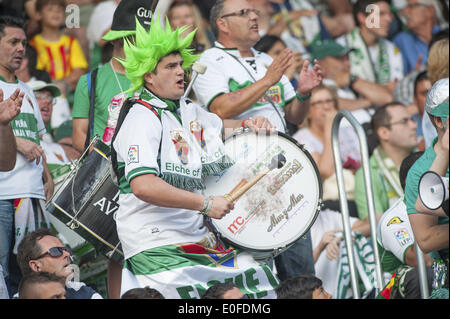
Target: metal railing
x=343 y=199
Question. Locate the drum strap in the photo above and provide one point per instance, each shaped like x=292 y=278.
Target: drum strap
x=126 y=107
x=91 y=82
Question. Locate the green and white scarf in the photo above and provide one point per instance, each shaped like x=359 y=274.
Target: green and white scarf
x=390 y=173
x=191 y=147
x=361 y=61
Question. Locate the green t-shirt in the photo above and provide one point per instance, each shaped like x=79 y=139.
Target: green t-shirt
x=383 y=193
x=106 y=88
x=421 y=166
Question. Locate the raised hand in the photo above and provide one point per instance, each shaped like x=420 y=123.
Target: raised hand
x=10 y=107
x=308 y=80
x=279 y=66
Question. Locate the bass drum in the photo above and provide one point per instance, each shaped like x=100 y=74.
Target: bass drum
x=280 y=207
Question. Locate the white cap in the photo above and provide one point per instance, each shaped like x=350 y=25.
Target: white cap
x=37 y=85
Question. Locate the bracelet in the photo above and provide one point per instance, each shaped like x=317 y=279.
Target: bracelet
x=207 y=204
x=302 y=98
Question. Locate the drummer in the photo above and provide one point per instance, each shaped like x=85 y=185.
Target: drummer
x=164 y=145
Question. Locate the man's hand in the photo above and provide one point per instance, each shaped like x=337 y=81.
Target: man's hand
x=10 y=107
x=259 y=123
x=220 y=207
x=30 y=150
x=308 y=80
x=278 y=67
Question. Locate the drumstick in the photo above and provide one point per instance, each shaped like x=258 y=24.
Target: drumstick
x=239 y=185
x=277 y=162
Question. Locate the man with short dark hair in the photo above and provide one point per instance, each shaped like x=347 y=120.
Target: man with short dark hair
x=42 y=285
x=395 y=130
x=223 y=290
x=41 y=251
x=302 y=287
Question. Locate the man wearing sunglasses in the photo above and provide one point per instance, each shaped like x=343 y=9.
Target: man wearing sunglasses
x=41 y=251
x=395 y=130
x=242 y=83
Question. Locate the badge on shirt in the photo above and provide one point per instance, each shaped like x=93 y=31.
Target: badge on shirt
x=395 y=220
x=403 y=237
x=133 y=154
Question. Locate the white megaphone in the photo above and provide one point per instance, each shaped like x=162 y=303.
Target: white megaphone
x=433 y=190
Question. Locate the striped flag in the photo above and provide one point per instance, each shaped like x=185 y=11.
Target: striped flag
x=187 y=271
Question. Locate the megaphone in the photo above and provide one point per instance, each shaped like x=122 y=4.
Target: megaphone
x=433 y=190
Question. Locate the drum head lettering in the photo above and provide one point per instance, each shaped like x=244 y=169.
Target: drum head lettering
x=281 y=206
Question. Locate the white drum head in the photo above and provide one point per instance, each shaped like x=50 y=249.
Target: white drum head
x=278 y=209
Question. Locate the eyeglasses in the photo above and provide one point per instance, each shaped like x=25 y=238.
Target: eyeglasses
x=55 y=252
x=44 y=96
x=242 y=13
x=404 y=121
x=322 y=102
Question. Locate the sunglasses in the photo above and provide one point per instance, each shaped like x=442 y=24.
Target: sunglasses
x=55 y=252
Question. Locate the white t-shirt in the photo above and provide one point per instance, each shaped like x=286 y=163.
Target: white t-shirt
x=225 y=74
x=141 y=225
x=25 y=180
x=394 y=231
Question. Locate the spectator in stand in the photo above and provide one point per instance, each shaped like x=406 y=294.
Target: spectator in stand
x=142 y=293
x=56 y=156
x=302 y=287
x=437 y=68
x=422 y=22
x=316 y=136
x=375 y=58
x=395 y=129
x=60 y=55
x=99 y=24
x=41 y=251
x=422 y=85
x=185 y=13
x=356 y=94
x=27 y=126
x=396 y=245
x=28 y=73
x=42 y=285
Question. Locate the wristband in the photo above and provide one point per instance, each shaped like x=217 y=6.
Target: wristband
x=207 y=204
x=302 y=98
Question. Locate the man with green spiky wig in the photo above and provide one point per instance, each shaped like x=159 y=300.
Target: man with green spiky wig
x=164 y=145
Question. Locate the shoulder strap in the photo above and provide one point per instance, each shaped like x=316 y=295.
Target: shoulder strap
x=125 y=109
x=91 y=82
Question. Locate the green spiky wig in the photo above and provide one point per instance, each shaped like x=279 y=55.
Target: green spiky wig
x=151 y=46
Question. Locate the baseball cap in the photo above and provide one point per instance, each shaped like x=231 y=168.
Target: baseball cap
x=437 y=101
x=37 y=85
x=124 y=23
x=323 y=48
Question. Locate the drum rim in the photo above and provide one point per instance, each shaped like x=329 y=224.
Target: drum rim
x=319 y=202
